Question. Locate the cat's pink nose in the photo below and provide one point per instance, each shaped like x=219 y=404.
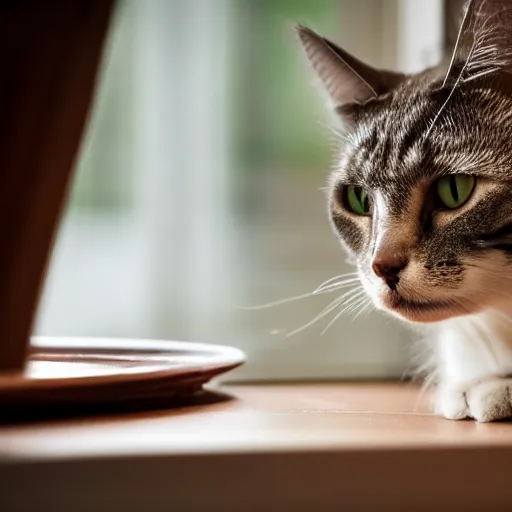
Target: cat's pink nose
x=388 y=267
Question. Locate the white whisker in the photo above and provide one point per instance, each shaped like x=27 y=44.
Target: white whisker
x=335 y=286
x=333 y=305
x=322 y=288
x=281 y=301
x=364 y=308
x=330 y=307
x=350 y=274
x=357 y=299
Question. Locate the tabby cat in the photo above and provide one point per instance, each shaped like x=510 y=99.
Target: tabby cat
x=421 y=198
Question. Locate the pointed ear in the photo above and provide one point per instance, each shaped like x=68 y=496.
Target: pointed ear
x=346 y=79
x=484 y=41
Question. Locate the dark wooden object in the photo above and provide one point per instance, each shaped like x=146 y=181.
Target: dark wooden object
x=49 y=56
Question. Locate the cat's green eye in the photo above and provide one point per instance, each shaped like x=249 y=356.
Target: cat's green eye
x=454 y=190
x=357 y=200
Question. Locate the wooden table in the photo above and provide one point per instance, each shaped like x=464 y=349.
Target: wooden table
x=263 y=447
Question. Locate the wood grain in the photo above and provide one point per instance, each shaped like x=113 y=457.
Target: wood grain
x=256 y=418
x=49 y=56
x=276 y=447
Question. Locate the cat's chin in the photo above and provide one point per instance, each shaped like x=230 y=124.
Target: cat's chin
x=426 y=316
x=427 y=311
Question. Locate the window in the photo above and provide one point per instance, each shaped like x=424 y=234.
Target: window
x=198 y=190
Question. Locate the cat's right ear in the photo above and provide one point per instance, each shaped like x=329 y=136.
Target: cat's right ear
x=348 y=81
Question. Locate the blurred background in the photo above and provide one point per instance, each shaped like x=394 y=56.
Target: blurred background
x=199 y=189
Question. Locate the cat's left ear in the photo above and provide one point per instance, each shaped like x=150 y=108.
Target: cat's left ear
x=347 y=80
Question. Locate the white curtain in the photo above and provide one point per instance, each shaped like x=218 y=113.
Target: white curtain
x=156 y=266
x=151 y=247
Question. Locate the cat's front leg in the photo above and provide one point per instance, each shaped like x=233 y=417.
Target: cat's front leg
x=475 y=368
x=488 y=400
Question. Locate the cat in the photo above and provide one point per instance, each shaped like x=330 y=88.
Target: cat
x=421 y=199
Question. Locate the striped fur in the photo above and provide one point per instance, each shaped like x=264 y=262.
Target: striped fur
x=457 y=275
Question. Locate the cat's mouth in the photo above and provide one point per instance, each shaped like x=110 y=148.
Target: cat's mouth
x=421 y=311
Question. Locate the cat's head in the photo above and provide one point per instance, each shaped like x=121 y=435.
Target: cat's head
x=421 y=194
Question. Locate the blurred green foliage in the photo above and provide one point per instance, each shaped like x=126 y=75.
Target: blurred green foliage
x=278 y=116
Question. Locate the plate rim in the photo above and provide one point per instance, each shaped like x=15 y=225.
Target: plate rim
x=223 y=358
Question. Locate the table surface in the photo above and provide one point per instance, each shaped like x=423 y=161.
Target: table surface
x=248 y=418
x=276 y=447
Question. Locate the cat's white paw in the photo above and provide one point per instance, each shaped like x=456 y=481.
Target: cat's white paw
x=489 y=400
x=451 y=403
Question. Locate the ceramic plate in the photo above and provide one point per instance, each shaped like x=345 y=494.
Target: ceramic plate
x=95 y=373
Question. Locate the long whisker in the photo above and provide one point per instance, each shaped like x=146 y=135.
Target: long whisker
x=356 y=305
x=334 y=286
x=297 y=297
x=333 y=305
x=280 y=301
x=356 y=299
x=330 y=307
x=331 y=279
x=324 y=287
x=364 y=308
